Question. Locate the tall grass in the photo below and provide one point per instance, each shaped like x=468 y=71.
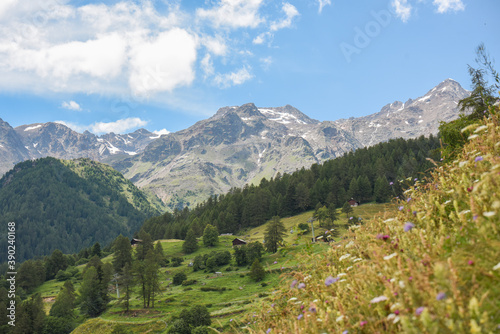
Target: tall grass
x=430 y=266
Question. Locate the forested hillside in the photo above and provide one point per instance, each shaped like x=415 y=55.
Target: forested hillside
x=68 y=205
x=367 y=174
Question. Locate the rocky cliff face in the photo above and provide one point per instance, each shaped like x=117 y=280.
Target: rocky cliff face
x=410 y=119
x=57 y=140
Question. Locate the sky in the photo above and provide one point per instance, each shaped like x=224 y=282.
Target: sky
x=116 y=66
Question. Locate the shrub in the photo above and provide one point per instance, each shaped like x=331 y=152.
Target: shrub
x=179 y=278
x=257 y=272
x=189 y=282
x=176 y=261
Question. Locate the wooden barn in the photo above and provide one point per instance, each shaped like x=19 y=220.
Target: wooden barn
x=135 y=241
x=353 y=203
x=239 y=242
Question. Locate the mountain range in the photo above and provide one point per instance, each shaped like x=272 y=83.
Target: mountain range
x=236 y=146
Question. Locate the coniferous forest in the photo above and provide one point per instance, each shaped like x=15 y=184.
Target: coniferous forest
x=68 y=205
x=377 y=173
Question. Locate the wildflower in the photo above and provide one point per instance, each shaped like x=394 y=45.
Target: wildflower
x=474 y=217
x=339 y=319
x=292 y=299
x=401 y=208
x=294 y=283
x=345 y=256
x=268 y=331
x=362 y=323
x=383 y=236
x=479 y=158
x=301 y=285
x=415 y=179
x=350 y=218
x=312 y=309
x=388 y=257
x=275 y=262
x=489 y=214
x=272 y=305
x=408 y=226
x=391 y=183
x=497 y=266
x=345 y=332
x=230 y=320
x=300 y=316
x=419 y=310
x=330 y=280
x=378 y=299
x=414 y=213
x=441 y=296
x=408 y=200
x=471 y=263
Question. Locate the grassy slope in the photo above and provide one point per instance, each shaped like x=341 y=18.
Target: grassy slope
x=441 y=276
x=235 y=303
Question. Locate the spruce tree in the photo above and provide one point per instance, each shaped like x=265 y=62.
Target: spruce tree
x=257 y=271
x=275 y=232
x=210 y=236
x=190 y=244
x=122 y=253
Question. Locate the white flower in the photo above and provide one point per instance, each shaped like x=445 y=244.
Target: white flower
x=389 y=220
x=391 y=316
x=489 y=214
x=350 y=244
x=292 y=299
x=481 y=128
x=388 y=257
x=462 y=163
x=343 y=257
x=497 y=266
x=349 y=268
x=464 y=212
x=378 y=299
x=396 y=320
x=395 y=306
x=358 y=259
x=339 y=319
x=473 y=136
x=341 y=274
x=402 y=284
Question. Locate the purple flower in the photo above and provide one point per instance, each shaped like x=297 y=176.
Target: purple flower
x=300 y=316
x=294 y=283
x=230 y=320
x=401 y=208
x=345 y=332
x=414 y=213
x=275 y=262
x=415 y=179
x=330 y=280
x=408 y=226
x=474 y=217
x=301 y=285
x=480 y=158
x=383 y=236
x=419 y=310
x=441 y=296
x=409 y=199
x=350 y=218
x=312 y=309
x=268 y=331
x=362 y=323
x=391 y=183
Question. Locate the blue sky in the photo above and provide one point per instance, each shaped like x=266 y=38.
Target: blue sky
x=158 y=64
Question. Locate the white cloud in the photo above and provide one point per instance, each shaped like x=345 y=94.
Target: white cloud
x=207 y=65
x=215 y=45
x=71 y=105
x=161 y=132
x=403 y=9
x=266 y=62
x=323 y=3
x=120 y=126
x=233 y=14
x=261 y=38
x=290 y=12
x=234 y=78
x=164 y=63
x=447 y=5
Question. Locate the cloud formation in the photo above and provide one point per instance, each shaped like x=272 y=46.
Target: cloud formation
x=233 y=14
x=403 y=9
x=444 y=6
x=234 y=78
x=71 y=105
x=323 y=3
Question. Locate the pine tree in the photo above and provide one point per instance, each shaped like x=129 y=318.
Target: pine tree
x=257 y=271
x=122 y=253
x=347 y=209
x=91 y=301
x=127 y=283
x=96 y=250
x=210 y=236
x=65 y=302
x=275 y=232
x=190 y=244
x=30 y=316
